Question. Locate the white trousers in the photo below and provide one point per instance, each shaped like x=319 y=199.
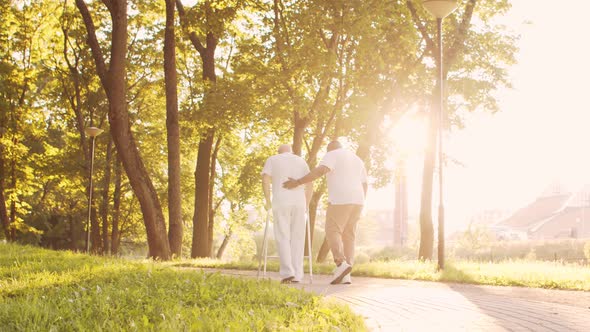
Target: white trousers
x=289 y=229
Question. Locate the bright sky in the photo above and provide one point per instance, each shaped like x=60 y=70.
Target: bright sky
x=541 y=134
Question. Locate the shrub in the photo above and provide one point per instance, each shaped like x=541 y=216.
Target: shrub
x=587 y=250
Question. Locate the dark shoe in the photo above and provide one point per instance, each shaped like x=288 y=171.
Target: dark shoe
x=287 y=280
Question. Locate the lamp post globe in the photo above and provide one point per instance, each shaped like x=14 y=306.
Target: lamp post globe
x=440 y=8
x=92 y=132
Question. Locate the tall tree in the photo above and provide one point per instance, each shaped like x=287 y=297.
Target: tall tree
x=173 y=133
x=205 y=37
x=114 y=83
x=200 y=245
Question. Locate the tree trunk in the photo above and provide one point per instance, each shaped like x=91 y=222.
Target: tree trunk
x=313 y=210
x=115 y=233
x=200 y=246
x=95 y=237
x=299 y=125
x=173 y=135
x=3 y=212
x=426 y=227
x=400 y=211
x=104 y=207
x=223 y=245
x=211 y=225
x=114 y=83
x=13 y=202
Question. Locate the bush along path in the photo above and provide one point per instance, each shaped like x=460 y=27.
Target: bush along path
x=43 y=290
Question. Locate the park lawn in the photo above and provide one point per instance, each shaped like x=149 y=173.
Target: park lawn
x=525 y=273
x=44 y=290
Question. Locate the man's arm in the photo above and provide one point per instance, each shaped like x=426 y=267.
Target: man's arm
x=365 y=187
x=266 y=189
x=314 y=174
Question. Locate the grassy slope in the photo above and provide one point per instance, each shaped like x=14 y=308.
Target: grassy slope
x=42 y=290
x=553 y=275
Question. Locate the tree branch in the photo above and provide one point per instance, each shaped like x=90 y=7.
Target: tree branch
x=192 y=36
x=421 y=27
x=461 y=34
x=93 y=43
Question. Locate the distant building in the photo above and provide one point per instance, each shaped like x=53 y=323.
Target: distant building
x=556 y=213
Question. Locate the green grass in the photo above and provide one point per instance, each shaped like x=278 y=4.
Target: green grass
x=43 y=290
x=552 y=275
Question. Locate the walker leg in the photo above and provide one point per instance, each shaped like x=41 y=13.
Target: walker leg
x=309 y=254
x=263 y=250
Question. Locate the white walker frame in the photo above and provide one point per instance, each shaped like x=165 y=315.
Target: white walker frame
x=264 y=251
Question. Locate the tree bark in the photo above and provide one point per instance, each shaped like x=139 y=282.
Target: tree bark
x=114 y=83
x=173 y=135
x=313 y=211
x=104 y=207
x=200 y=246
x=115 y=233
x=211 y=225
x=223 y=245
x=3 y=212
x=426 y=226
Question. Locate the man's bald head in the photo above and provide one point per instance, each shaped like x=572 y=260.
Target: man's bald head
x=334 y=145
x=285 y=148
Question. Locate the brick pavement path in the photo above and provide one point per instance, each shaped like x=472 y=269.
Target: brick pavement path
x=405 y=305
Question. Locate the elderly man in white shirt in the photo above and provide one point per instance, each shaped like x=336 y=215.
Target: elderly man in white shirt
x=288 y=208
x=347 y=188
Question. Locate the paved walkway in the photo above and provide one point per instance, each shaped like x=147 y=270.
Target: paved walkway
x=404 y=305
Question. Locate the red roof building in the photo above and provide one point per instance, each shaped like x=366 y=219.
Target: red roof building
x=555 y=214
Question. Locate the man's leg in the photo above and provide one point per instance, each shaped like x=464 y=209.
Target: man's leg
x=335 y=223
x=336 y=218
x=297 y=240
x=282 y=230
x=349 y=234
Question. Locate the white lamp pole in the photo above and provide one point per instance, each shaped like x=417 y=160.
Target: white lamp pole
x=440 y=9
x=92 y=132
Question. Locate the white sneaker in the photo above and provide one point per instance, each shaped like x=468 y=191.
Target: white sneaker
x=340 y=272
x=346 y=280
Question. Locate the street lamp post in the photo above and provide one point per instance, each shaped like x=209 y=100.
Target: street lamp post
x=440 y=9
x=92 y=132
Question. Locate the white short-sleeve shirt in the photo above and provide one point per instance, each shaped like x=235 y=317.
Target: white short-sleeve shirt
x=345 y=178
x=280 y=168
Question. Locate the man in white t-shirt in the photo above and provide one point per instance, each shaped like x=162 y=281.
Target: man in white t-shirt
x=288 y=208
x=347 y=188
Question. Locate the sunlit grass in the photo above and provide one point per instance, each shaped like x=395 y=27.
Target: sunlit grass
x=42 y=290
x=553 y=275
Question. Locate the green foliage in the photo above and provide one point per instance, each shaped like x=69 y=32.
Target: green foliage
x=347 y=67
x=546 y=250
x=44 y=290
x=474 y=238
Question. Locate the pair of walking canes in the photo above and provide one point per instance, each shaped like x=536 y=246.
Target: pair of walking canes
x=264 y=251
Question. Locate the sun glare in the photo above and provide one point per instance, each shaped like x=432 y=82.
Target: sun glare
x=408 y=136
